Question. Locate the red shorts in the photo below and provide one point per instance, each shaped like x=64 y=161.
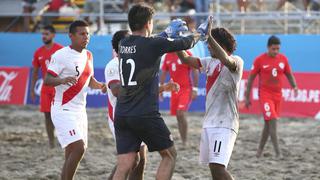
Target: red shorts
x=270 y=108
x=180 y=100
x=46 y=97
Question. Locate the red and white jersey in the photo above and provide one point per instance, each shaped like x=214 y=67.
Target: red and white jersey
x=222 y=88
x=41 y=59
x=68 y=62
x=271 y=71
x=111 y=74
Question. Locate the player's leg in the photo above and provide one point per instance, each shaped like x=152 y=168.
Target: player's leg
x=137 y=172
x=219 y=172
x=74 y=153
x=215 y=149
x=272 y=108
x=156 y=135
x=49 y=128
x=125 y=162
x=71 y=128
x=167 y=163
x=273 y=136
x=182 y=125
x=184 y=100
x=46 y=98
x=128 y=144
x=263 y=139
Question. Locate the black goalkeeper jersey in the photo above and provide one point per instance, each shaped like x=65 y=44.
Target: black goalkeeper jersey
x=139 y=72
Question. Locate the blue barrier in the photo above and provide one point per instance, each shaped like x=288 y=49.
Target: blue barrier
x=16 y=49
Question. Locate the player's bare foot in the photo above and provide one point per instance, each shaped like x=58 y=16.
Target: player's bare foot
x=259 y=153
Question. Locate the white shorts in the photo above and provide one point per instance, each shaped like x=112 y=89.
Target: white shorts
x=216 y=145
x=70 y=126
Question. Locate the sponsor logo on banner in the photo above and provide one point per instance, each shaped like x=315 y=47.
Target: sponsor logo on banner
x=6 y=86
x=13 y=85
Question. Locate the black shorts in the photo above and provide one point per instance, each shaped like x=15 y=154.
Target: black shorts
x=132 y=131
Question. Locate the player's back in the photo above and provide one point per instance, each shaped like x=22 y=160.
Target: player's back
x=139 y=72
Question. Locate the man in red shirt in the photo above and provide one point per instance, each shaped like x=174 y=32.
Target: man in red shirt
x=180 y=101
x=41 y=60
x=270 y=66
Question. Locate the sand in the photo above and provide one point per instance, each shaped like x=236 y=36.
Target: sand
x=25 y=154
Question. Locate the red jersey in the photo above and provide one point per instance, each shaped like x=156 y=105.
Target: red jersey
x=271 y=71
x=55 y=5
x=42 y=57
x=180 y=73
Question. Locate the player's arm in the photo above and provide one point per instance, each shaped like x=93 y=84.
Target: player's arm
x=291 y=80
x=34 y=79
x=163 y=76
x=115 y=87
x=189 y=60
x=251 y=78
x=170 y=86
x=94 y=84
x=54 y=80
x=222 y=55
x=195 y=75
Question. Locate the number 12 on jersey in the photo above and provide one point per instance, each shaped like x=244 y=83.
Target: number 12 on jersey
x=132 y=68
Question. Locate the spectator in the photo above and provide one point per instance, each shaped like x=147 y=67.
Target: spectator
x=28 y=7
x=92 y=7
x=53 y=7
x=282 y=2
x=243 y=5
x=202 y=6
x=187 y=6
x=312 y=5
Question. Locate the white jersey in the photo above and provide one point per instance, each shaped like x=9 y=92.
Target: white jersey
x=68 y=62
x=222 y=88
x=111 y=74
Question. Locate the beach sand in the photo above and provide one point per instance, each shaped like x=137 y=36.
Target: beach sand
x=25 y=154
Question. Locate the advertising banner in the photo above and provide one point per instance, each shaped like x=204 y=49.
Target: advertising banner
x=304 y=103
x=13 y=85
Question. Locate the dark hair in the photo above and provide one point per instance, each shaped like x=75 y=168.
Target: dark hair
x=117 y=37
x=78 y=23
x=50 y=28
x=139 y=15
x=224 y=38
x=273 y=40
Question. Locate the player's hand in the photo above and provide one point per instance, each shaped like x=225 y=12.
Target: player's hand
x=32 y=95
x=295 y=90
x=172 y=86
x=69 y=81
x=176 y=28
x=194 y=93
x=103 y=88
x=247 y=103
x=205 y=28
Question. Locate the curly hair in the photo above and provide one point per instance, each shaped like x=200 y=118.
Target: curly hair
x=224 y=38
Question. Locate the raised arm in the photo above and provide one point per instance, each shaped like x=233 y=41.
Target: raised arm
x=189 y=60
